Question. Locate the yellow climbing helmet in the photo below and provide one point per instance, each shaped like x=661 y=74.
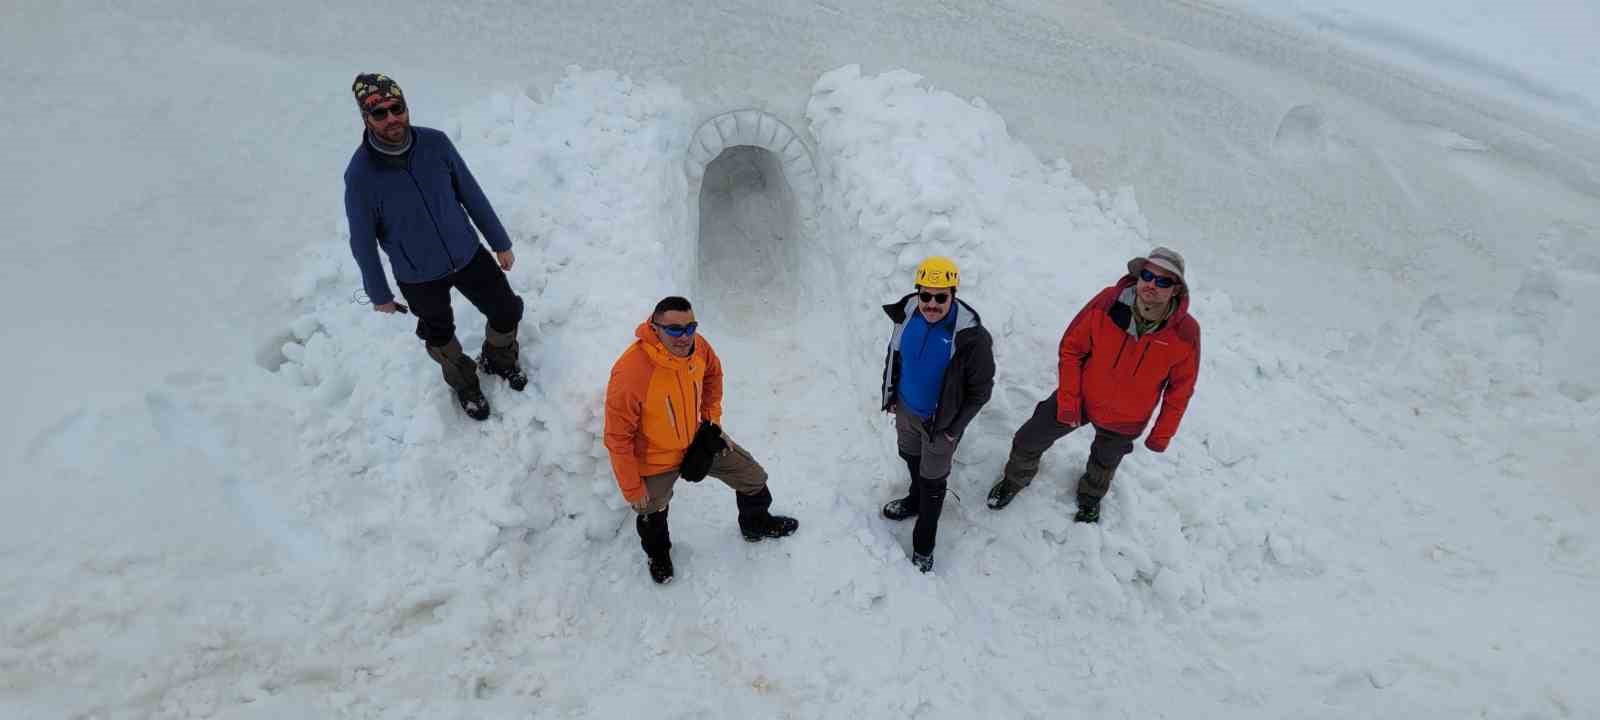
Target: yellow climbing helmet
x=938 y=272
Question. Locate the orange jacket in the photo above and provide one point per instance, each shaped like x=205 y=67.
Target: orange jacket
x=654 y=404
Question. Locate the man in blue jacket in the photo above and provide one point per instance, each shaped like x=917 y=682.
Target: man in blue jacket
x=408 y=191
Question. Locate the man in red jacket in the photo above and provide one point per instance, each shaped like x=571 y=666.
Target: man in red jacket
x=1132 y=346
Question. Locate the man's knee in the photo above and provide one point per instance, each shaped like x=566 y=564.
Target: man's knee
x=509 y=315
x=751 y=477
x=435 y=334
x=756 y=478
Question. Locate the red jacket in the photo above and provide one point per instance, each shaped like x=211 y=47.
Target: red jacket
x=1113 y=379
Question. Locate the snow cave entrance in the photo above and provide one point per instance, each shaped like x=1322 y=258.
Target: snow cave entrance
x=748 y=233
x=756 y=261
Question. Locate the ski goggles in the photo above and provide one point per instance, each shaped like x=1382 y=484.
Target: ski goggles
x=1160 y=281
x=678 y=330
x=380 y=114
x=935 y=298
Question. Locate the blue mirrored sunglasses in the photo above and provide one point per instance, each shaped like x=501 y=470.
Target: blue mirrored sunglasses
x=678 y=330
x=1161 y=281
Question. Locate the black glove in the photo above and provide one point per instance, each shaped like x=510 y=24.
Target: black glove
x=702 y=450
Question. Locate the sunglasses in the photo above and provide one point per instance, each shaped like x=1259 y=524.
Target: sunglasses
x=678 y=330
x=383 y=113
x=1161 y=281
x=935 y=298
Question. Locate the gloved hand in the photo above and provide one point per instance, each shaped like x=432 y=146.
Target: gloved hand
x=708 y=441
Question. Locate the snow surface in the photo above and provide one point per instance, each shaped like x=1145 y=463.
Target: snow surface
x=232 y=492
x=1539 y=55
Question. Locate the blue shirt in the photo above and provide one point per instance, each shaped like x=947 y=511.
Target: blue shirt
x=925 y=351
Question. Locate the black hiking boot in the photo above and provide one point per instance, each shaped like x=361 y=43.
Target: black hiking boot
x=661 y=569
x=499 y=357
x=474 y=403
x=773 y=526
x=901 y=508
x=1088 y=509
x=1002 y=494
x=656 y=538
x=512 y=374
x=923 y=561
x=756 y=524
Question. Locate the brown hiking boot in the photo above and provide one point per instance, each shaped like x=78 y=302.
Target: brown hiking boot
x=500 y=351
x=461 y=374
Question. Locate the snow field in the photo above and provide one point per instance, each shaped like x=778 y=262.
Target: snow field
x=353 y=547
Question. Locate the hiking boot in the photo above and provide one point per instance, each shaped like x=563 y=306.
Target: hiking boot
x=1001 y=494
x=513 y=375
x=901 y=508
x=923 y=561
x=474 y=403
x=773 y=526
x=756 y=524
x=499 y=358
x=661 y=569
x=1088 y=509
x=461 y=374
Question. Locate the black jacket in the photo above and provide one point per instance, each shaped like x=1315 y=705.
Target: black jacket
x=968 y=379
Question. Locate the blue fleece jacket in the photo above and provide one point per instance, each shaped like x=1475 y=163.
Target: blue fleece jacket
x=415 y=207
x=925 y=352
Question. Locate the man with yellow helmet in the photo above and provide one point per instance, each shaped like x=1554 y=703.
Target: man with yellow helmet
x=937 y=373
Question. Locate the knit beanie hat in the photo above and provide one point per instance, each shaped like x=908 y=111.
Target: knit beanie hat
x=371 y=89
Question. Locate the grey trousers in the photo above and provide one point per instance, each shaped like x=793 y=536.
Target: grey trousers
x=1042 y=430
x=912 y=438
x=735 y=467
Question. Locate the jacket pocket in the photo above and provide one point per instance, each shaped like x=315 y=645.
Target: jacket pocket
x=672 y=417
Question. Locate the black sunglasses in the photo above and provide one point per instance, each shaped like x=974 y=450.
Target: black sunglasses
x=1161 y=281
x=936 y=298
x=678 y=330
x=382 y=113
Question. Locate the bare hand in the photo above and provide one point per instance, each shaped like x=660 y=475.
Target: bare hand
x=642 y=503
x=506 y=258
x=387 y=308
x=950 y=437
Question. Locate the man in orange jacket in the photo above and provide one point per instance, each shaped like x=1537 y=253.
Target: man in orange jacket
x=663 y=406
x=1132 y=346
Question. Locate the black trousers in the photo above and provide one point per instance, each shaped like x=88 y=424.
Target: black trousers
x=483 y=284
x=927 y=496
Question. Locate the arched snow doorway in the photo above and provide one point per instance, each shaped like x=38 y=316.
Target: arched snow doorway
x=748 y=228
x=754 y=189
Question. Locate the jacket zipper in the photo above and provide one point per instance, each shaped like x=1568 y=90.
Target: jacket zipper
x=437 y=231
x=1140 y=364
x=672 y=416
x=1124 y=346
